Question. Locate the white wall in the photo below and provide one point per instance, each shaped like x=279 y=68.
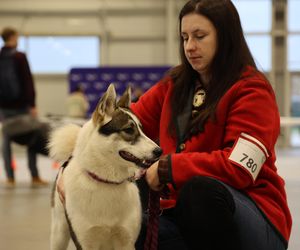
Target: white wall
x=51 y=93
x=132 y=32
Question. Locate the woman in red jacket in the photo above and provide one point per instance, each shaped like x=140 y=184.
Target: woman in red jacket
x=217 y=121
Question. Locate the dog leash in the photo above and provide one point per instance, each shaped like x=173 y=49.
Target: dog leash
x=65 y=164
x=153 y=219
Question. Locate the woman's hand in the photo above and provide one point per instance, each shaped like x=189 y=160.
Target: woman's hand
x=152 y=177
x=60 y=186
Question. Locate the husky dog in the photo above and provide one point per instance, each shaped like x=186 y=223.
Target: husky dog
x=102 y=207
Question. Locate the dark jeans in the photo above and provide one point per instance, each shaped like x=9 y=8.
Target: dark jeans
x=7 y=151
x=210 y=215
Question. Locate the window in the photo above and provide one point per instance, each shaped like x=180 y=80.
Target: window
x=294 y=35
x=293 y=52
x=293 y=63
x=260 y=46
x=256 y=16
x=256 y=19
x=293 y=15
x=58 y=54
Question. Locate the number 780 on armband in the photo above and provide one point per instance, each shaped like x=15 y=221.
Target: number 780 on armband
x=249 y=153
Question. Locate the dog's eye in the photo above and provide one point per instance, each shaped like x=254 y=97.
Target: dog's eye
x=129 y=131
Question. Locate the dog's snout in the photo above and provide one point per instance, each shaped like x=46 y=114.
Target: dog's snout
x=157 y=152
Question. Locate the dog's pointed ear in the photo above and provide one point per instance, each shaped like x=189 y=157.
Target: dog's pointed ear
x=125 y=99
x=106 y=106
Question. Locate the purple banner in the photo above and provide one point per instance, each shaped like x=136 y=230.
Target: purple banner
x=96 y=80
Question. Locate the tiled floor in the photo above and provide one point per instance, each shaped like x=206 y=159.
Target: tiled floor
x=25 y=212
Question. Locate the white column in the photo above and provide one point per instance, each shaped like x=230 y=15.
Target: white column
x=171 y=25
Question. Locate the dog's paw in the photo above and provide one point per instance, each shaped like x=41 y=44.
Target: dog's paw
x=62 y=142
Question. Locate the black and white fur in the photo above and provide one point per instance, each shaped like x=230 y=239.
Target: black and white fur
x=102 y=205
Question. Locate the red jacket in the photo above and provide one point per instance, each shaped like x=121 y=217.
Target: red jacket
x=249 y=106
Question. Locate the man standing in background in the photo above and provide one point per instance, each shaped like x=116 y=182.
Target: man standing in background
x=17 y=97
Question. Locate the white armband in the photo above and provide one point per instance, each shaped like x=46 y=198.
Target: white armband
x=249 y=153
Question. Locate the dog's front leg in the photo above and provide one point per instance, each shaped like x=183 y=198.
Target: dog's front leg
x=123 y=246
x=122 y=239
x=60 y=234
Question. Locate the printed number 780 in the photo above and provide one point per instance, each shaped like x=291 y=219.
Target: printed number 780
x=250 y=163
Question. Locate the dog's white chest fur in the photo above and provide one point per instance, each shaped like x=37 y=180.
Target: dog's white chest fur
x=112 y=212
x=103 y=216
x=103 y=201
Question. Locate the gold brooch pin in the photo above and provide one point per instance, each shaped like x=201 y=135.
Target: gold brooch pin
x=199 y=98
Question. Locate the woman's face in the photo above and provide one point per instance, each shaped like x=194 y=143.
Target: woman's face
x=199 y=41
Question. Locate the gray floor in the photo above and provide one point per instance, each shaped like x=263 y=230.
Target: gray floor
x=25 y=212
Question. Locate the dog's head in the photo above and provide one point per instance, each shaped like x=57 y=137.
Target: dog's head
x=114 y=139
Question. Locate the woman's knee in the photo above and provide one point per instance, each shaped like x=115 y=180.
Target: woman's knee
x=205 y=212
x=205 y=192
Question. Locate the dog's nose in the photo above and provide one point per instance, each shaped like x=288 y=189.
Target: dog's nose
x=157 y=152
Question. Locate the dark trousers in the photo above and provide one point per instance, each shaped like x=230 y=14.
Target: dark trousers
x=7 y=151
x=210 y=215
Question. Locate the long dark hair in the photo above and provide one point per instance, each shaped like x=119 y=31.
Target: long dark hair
x=231 y=58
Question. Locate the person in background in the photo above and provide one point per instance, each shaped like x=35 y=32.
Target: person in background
x=22 y=103
x=217 y=121
x=137 y=93
x=77 y=104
